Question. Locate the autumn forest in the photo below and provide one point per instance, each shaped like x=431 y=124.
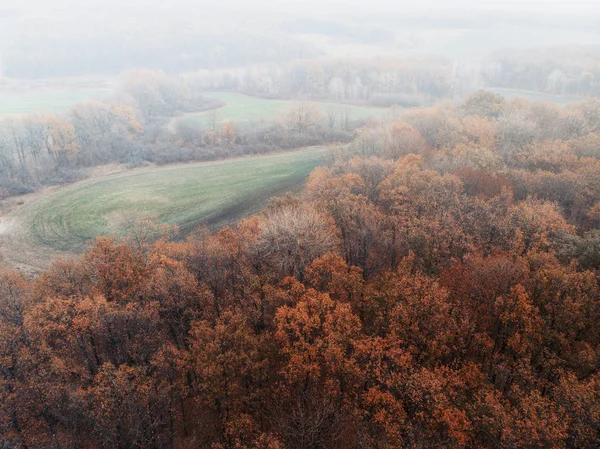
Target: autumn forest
x=435 y=286
x=433 y=283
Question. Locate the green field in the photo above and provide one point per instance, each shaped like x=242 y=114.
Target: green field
x=561 y=100
x=56 y=100
x=244 y=109
x=212 y=193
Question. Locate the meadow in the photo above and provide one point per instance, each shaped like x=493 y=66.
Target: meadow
x=54 y=100
x=244 y=109
x=213 y=193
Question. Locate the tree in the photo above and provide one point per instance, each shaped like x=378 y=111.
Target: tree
x=481 y=131
x=302 y=118
x=484 y=104
x=482 y=182
x=318 y=341
x=540 y=224
x=229 y=369
x=402 y=139
x=332 y=117
x=291 y=238
x=228 y=134
x=13 y=146
x=439 y=128
x=13 y=344
x=154 y=93
x=104 y=131
x=63 y=140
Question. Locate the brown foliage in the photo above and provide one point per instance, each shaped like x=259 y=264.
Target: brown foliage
x=390 y=305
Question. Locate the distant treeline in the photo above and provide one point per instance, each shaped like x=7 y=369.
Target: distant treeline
x=135 y=127
x=573 y=70
x=375 y=82
x=412 y=82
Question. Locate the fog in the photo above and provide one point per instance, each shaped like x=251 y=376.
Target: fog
x=300 y=224
x=42 y=39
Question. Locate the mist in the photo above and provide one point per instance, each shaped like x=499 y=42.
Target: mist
x=464 y=30
x=299 y=224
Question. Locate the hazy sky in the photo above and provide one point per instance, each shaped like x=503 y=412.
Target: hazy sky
x=573 y=14
x=422 y=5
x=466 y=30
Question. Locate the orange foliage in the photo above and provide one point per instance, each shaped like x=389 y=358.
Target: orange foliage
x=410 y=300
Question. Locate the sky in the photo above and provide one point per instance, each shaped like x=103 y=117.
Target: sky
x=562 y=12
x=422 y=5
x=462 y=29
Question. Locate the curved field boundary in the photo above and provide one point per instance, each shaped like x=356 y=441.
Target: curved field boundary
x=247 y=110
x=214 y=194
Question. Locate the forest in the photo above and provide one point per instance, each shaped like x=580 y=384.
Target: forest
x=299 y=224
x=556 y=69
x=435 y=285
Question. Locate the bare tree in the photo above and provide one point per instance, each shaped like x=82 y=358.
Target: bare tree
x=332 y=117
x=292 y=237
x=13 y=145
x=140 y=231
x=334 y=152
x=303 y=117
x=346 y=118
x=213 y=120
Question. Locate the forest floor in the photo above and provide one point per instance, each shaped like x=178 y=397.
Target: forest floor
x=63 y=221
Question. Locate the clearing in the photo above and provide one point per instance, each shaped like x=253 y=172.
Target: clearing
x=52 y=100
x=63 y=221
x=244 y=109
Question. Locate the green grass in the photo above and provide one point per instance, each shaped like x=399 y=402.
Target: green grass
x=56 y=100
x=212 y=193
x=244 y=109
x=561 y=100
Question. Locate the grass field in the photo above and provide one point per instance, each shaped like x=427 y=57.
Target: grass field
x=244 y=109
x=561 y=100
x=212 y=193
x=56 y=100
